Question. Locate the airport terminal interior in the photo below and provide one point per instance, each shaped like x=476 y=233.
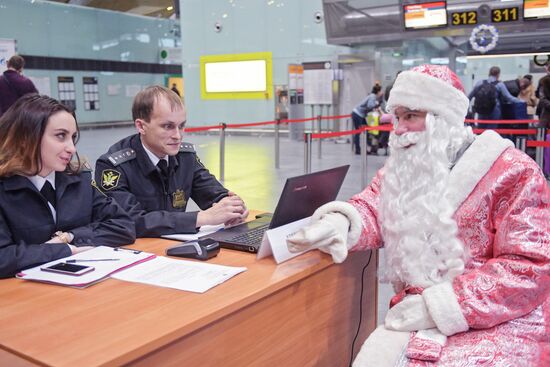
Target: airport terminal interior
x=259 y=79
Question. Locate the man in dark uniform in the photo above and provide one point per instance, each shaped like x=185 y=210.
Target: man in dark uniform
x=153 y=174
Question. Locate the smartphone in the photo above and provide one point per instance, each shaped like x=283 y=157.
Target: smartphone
x=68 y=269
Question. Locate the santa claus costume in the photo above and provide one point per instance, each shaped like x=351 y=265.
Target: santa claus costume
x=465 y=222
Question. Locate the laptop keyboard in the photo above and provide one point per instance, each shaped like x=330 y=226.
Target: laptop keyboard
x=252 y=237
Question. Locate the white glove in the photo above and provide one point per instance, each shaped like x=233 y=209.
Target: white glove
x=328 y=234
x=335 y=227
x=411 y=314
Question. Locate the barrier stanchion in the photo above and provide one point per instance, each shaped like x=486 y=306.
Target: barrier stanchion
x=222 y=151
x=277 y=126
x=521 y=143
x=364 y=154
x=307 y=153
x=319 y=141
x=539 y=151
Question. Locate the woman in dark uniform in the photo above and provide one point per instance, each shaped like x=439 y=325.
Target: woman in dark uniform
x=49 y=207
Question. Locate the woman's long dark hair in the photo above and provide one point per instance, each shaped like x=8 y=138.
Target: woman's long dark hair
x=21 y=129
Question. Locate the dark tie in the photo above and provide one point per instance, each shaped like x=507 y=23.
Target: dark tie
x=163 y=168
x=48 y=192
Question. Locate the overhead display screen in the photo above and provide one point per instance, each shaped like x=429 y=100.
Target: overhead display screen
x=426 y=15
x=536 y=9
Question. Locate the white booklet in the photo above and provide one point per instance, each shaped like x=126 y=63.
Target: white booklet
x=104 y=260
x=179 y=274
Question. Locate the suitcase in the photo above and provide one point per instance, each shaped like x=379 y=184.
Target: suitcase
x=514 y=111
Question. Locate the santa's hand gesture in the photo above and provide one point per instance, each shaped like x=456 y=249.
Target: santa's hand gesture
x=335 y=227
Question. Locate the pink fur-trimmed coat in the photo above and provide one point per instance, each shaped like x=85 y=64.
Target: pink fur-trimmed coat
x=502 y=204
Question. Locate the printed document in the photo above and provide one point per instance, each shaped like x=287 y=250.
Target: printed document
x=179 y=274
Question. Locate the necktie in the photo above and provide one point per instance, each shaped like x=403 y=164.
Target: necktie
x=48 y=193
x=163 y=168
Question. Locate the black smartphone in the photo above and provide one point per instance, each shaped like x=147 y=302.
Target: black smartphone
x=68 y=269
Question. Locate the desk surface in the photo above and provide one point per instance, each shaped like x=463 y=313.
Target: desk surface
x=116 y=322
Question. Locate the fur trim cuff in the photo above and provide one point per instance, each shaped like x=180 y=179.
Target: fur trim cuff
x=349 y=211
x=383 y=348
x=444 y=308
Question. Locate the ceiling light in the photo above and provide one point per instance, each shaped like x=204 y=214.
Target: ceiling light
x=170 y=8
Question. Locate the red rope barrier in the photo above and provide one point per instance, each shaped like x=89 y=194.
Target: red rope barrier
x=509 y=131
x=351 y=132
x=299 y=120
x=533 y=143
x=335 y=134
x=252 y=124
x=503 y=122
x=387 y=127
x=201 y=128
x=335 y=117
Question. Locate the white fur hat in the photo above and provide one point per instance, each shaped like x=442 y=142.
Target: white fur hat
x=433 y=88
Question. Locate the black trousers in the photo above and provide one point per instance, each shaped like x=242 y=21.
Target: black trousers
x=358 y=122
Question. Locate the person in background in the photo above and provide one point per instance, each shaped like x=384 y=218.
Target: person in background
x=517 y=85
x=527 y=94
x=152 y=174
x=489 y=95
x=538 y=91
x=49 y=208
x=544 y=120
x=464 y=222
x=13 y=84
x=360 y=112
x=175 y=89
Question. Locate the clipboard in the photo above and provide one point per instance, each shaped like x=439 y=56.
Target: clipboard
x=125 y=258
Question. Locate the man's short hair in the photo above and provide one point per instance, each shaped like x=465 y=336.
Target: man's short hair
x=494 y=71
x=16 y=62
x=144 y=102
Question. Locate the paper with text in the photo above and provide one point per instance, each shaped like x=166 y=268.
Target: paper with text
x=274 y=241
x=179 y=274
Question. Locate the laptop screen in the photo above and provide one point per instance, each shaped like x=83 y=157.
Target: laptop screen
x=303 y=194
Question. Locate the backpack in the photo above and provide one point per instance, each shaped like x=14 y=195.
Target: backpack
x=486 y=98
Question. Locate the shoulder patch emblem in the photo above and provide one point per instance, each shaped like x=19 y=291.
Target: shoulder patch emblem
x=122 y=156
x=187 y=148
x=109 y=179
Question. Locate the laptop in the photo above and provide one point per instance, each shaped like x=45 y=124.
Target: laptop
x=301 y=196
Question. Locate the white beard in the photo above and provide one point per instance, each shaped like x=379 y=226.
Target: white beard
x=419 y=232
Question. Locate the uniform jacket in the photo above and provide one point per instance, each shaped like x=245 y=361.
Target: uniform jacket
x=127 y=174
x=26 y=221
x=12 y=86
x=502 y=206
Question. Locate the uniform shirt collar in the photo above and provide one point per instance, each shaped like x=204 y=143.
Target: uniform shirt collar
x=154 y=159
x=39 y=181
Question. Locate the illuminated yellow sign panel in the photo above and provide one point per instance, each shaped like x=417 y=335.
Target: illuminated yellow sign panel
x=237 y=76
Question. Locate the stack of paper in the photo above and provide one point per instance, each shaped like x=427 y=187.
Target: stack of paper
x=105 y=260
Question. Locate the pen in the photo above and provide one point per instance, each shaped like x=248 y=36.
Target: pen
x=72 y=261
